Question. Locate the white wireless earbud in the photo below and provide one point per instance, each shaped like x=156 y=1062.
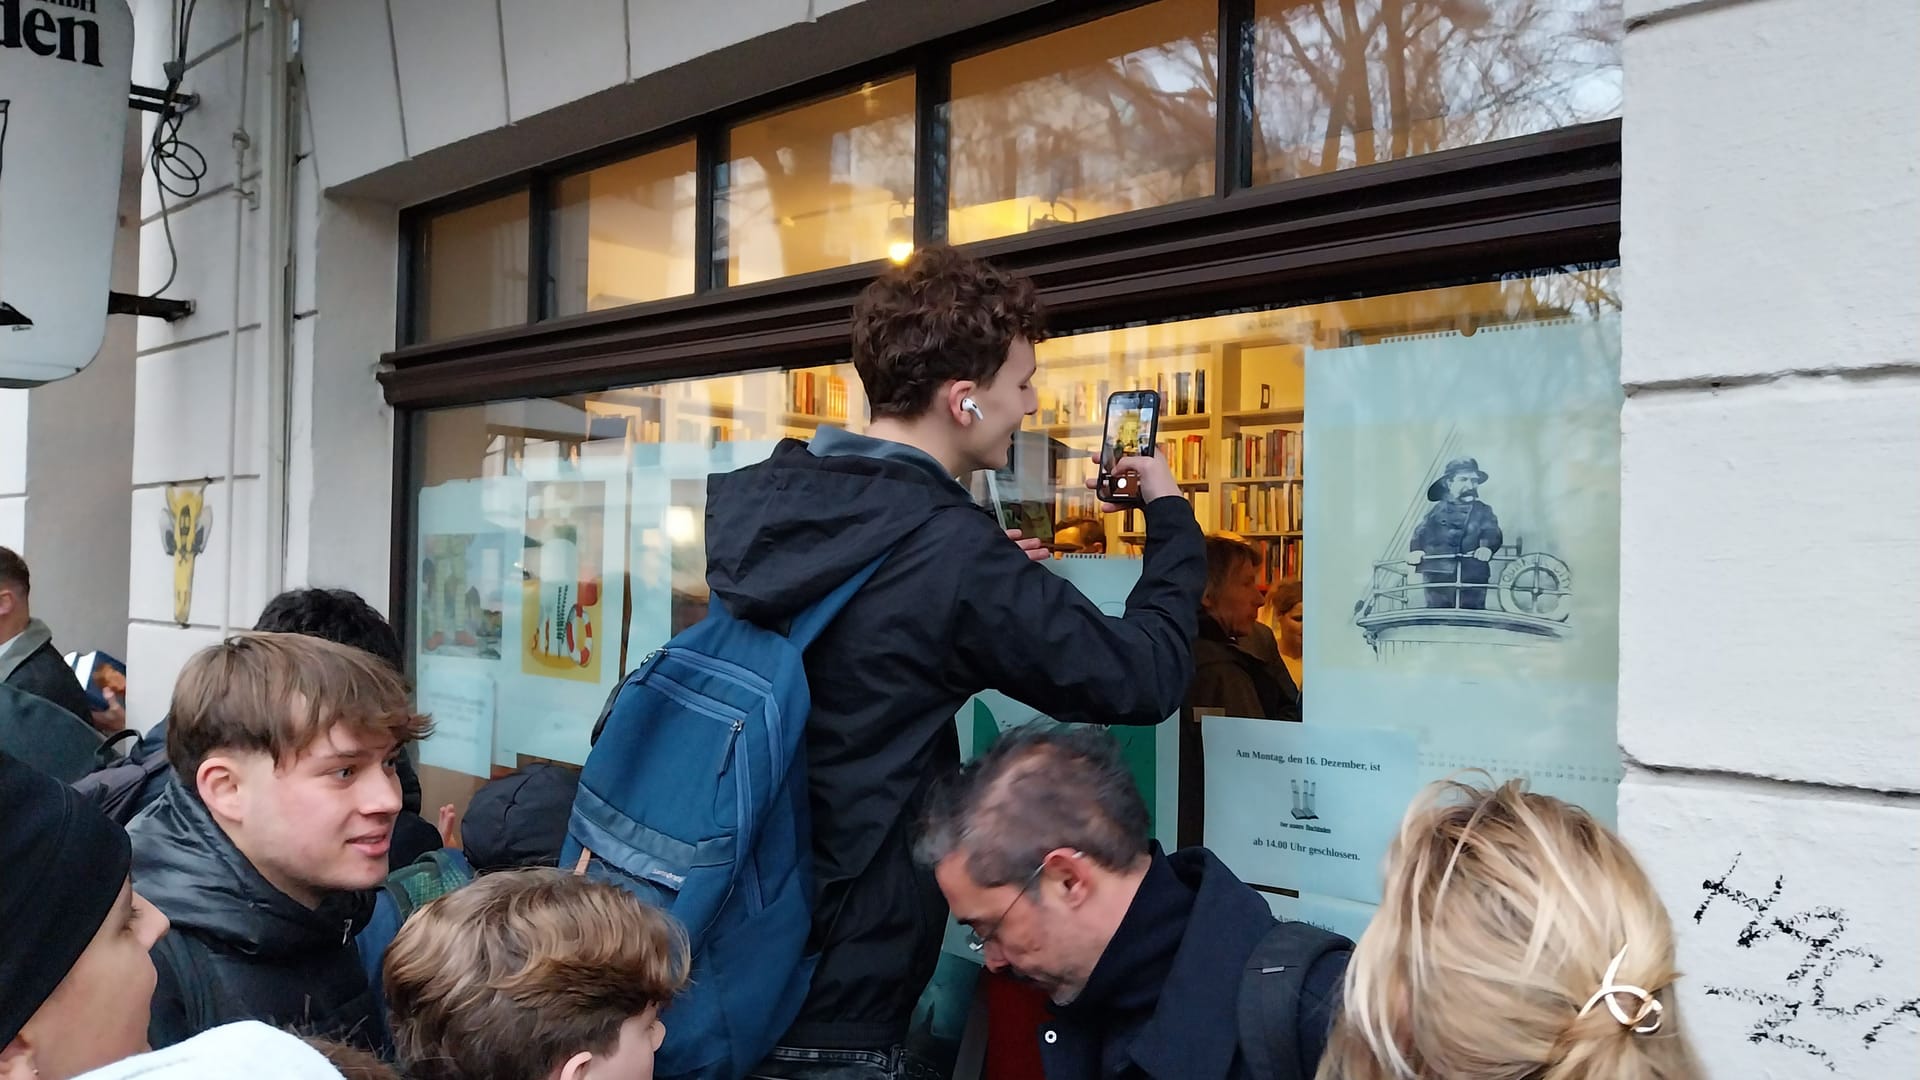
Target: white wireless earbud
x=972 y=406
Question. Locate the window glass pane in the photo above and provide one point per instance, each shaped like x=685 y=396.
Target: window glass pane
x=1114 y=115
x=1342 y=83
x=593 y=505
x=1428 y=486
x=823 y=185
x=476 y=268
x=623 y=233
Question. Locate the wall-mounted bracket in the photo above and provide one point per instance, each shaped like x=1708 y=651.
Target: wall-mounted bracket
x=152 y=307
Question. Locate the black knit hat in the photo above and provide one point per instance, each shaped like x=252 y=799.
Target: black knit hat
x=520 y=819
x=62 y=864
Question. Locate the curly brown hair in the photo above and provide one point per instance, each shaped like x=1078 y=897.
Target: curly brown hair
x=514 y=973
x=942 y=316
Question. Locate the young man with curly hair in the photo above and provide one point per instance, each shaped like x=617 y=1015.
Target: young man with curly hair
x=944 y=347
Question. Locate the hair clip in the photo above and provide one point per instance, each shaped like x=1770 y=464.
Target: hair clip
x=1608 y=991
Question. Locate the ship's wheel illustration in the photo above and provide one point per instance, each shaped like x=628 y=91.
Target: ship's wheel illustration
x=9 y=315
x=1537 y=584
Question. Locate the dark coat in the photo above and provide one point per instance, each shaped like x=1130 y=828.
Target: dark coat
x=1169 y=1011
x=955 y=609
x=271 y=958
x=1456 y=529
x=46 y=736
x=1237 y=682
x=44 y=674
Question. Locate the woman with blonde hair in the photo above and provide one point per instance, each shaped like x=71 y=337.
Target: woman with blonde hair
x=1517 y=939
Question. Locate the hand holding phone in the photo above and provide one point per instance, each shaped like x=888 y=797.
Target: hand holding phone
x=1132 y=431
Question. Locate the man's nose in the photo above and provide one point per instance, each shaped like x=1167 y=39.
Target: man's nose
x=995 y=959
x=383 y=795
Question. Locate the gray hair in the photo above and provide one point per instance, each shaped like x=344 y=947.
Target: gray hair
x=1041 y=787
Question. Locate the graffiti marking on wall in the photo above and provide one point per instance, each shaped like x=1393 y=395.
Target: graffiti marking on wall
x=1815 y=940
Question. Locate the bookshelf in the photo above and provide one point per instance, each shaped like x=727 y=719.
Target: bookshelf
x=1231 y=427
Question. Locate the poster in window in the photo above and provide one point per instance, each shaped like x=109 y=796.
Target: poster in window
x=1463 y=547
x=564 y=633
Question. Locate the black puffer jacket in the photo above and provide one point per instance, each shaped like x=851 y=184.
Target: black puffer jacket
x=267 y=956
x=955 y=609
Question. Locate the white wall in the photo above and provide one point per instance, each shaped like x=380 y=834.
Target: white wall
x=200 y=385
x=1769 y=686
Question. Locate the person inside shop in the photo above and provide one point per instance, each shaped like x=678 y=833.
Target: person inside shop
x=1228 y=676
x=1286 y=606
x=1080 y=536
x=1041 y=847
x=28 y=659
x=76 y=978
x=944 y=346
x=1516 y=936
x=277 y=821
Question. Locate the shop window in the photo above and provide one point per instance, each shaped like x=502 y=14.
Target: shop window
x=623 y=233
x=1427 y=484
x=1110 y=116
x=1344 y=83
x=818 y=186
x=600 y=495
x=475 y=266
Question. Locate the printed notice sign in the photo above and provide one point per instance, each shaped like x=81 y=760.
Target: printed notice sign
x=1343 y=917
x=458 y=695
x=1297 y=807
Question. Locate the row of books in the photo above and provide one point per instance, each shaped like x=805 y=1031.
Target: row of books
x=1279 y=559
x=1187 y=457
x=1182 y=393
x=818 y=394
x=1263 y=508
x=1271 y=454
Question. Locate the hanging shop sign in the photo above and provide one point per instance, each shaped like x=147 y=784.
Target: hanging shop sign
x=65 y=68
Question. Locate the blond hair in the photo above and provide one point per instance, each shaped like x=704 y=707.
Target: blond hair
x=1502 y=913
x=278 y=694
x=510 y=975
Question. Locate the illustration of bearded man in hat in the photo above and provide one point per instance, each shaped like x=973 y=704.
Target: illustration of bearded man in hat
x=1453 y=545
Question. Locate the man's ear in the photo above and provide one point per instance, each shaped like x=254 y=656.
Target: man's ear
x=1076 y=883
x=8 y=601
x=219 y=781
x=574 y=1068
x=952 y=395
x=16 y=1059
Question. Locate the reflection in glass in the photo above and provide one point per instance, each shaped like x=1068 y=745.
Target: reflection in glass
x=476 y=268
x=1346 y=83
x=623 y=233
x=620 y=477
x=823 y=185
x=1110 y=116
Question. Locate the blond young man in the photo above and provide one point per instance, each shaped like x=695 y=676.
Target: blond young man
x=278 y=819
x=533 y=975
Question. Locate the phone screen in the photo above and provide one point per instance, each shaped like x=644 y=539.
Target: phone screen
x=1132 y=427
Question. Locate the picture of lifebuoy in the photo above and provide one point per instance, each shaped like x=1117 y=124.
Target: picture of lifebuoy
x=1537 y=584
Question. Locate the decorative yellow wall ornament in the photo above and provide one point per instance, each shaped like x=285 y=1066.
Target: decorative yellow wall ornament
x=184 y=530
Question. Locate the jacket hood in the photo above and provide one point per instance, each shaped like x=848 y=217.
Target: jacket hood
x=785 y=532
x=187 y=867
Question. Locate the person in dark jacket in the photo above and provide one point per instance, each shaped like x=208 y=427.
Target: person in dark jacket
x=28 y=660
x=341 y=616
x=1229 y=675
x=279 y=818
x=1041 y=847
x=944 y=348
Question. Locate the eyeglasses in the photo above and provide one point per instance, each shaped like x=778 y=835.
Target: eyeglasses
x=976 y=940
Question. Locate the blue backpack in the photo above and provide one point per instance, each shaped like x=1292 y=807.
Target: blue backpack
x=694 y=797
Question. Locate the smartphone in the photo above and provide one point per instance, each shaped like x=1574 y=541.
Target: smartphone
x=1133 y=429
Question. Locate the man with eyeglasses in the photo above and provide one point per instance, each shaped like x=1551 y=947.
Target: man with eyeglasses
x=1158 y=966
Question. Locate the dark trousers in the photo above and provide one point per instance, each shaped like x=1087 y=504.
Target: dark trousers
x=802 y=1063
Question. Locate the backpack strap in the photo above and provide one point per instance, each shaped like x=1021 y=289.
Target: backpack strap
x=1270 y=991
x=811 y=622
